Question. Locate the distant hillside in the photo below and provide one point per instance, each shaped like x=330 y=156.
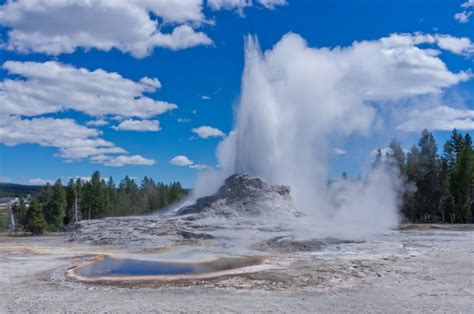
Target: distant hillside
x=17 y=190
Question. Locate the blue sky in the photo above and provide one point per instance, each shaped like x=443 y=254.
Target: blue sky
x=203 y=79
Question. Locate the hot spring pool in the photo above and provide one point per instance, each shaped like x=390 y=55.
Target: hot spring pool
x=116 y=269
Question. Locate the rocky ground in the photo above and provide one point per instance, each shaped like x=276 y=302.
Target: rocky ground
x=419 y=269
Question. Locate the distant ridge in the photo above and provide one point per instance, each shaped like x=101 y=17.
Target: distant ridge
x=17 y=190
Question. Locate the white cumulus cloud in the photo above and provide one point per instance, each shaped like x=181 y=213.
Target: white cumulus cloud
x=52 y=87
x=457 y=45
x=207 y=131
x=240 y=5
x=123 y=160
x=181 y=161
x=138 y=125
x=131 y=26
x=74 y=141
x=465 y=15
x=440 y=118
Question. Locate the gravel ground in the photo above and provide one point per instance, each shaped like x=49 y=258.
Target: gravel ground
x=419 y=269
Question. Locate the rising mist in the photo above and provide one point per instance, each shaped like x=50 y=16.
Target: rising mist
x=297 y=101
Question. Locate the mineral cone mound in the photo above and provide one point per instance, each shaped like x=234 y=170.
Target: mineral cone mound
x=245 y=196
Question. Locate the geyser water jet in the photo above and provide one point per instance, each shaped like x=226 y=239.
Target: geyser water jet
x=296 y=101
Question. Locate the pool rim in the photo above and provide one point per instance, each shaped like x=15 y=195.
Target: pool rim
x=262 y=265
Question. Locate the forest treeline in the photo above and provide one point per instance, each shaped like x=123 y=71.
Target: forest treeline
x=58 y=206
x=438 y=188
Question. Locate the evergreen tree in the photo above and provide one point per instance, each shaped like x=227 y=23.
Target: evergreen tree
x=163 y=198
x=134 y=196
x=45 y=199
x=461 y=185
x=428 y=195
x=149 y=196
x=86 y=200
x=447 y=202
x=98 y=203
x=58 y=205
x=22 y=212
x=174 y=192
x=70 y=200
x=412 y=173
x=34 y=221
x=396 y=156
x=73 y=197
x=95 y=195
x=111 y=195
x=122 y=205
x=452 y=147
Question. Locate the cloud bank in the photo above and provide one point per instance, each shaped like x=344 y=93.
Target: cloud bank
x=62 y=26
x=49 y=87
x=131 y=26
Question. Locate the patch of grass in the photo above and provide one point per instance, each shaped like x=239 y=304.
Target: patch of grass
x=3 y=219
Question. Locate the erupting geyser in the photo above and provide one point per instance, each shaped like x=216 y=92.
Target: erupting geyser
x=295 y=102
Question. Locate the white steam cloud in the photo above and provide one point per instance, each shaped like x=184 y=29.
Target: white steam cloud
x=296 y=101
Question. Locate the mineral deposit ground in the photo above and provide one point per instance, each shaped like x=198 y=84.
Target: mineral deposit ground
x=249 y=235
x=425 y=268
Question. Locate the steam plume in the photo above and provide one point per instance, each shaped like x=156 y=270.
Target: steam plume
x=296 y=101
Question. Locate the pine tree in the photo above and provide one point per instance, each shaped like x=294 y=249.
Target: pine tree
x=428 y=195
x=73 y=201
x=461 y=185
x=163 y=199
x=396 y=156
x=70 y=200
x=122 y=205
x=174 y=192
x=134 y=196
x=22 y=212
x=451 y=148
x=58 y=205
x=45 y=199
x=96 y=200
x=149 y=195
x=111 y=195
x=34 y=221
x=412 y=172
x=447 y=202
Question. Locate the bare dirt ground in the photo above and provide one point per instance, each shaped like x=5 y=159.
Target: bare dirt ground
x=418 y=269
